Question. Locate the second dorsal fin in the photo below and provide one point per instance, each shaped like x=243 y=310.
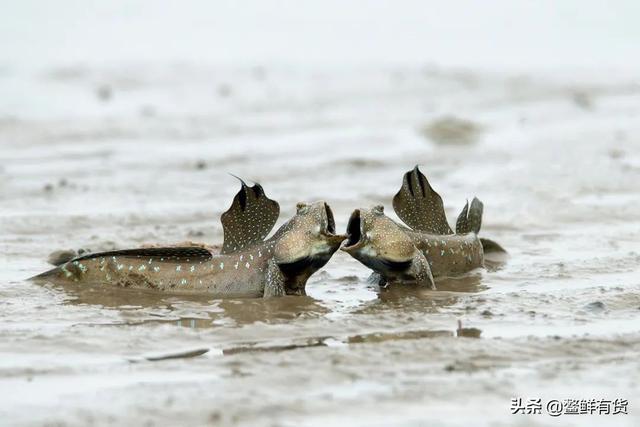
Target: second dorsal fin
x=470 y=219
x=250 y=218
x=419 y=206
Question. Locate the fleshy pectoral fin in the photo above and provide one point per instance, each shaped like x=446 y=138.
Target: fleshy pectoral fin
x=377 y=279
x=470 y=219
x=419 y=206
x=274 y=281
x=250 y=218
x=422 y=271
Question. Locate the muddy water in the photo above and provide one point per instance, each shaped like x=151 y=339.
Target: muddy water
x=102 y=158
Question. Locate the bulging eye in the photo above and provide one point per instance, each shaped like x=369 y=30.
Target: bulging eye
x=302 y=208
x=378 y=209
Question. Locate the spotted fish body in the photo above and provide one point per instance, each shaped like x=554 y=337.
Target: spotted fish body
x=427 y=250
x=180 y=270
x=449 y=255
x=248 y=267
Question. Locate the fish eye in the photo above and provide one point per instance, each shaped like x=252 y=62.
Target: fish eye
x=302 y=208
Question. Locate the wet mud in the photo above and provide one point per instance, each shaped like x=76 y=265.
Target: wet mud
x=557 y=172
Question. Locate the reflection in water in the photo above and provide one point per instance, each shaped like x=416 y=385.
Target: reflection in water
x=192 y=311
x=413 y=298
x=201 y=311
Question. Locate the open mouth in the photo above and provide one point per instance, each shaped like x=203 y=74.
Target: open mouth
x=331 y=223
x=354 y=229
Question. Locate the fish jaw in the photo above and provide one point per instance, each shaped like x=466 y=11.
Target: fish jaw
x=380 y=244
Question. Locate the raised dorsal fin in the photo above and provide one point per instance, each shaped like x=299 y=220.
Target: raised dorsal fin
x=419 y=206
x=250 y=218
x=470 y=219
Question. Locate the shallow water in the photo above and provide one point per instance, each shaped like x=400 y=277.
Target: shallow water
x=120 y=157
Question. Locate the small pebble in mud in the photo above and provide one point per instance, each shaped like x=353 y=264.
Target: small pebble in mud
x=104 y=93
x=582 y=99
x=616 y=153
x=452 y=130
x=461 y=366
x=48 y=188
x=487 y=313
x=595 y=307
x=201 y=164
x=195 y=233
x=61 y=256
x=467 y=332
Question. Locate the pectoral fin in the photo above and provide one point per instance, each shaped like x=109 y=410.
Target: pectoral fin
x=377 y=279
x=274 y=285
x=250 y=218
x=422 y=271
x=419 y=206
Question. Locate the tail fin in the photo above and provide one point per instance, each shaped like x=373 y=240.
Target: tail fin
x=49 y=275
x=489 y=246
x=470 y=219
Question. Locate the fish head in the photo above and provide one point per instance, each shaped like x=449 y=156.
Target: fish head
x=306 y=243
x=378 y=242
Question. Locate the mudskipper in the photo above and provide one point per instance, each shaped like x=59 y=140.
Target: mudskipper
x=247 y=266
x=428 y=248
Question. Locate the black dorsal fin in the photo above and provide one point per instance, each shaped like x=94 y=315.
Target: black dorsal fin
x=419 y=206
x=171 y=253
x=250 y=218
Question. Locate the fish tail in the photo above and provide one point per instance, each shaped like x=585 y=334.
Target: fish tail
x=491 y=246
x=64 y=272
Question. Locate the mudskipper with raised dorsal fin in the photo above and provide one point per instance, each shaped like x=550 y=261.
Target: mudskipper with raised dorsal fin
x=247 y=266
x=429 y=248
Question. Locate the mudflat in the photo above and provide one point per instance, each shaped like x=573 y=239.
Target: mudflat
x=108 y=160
